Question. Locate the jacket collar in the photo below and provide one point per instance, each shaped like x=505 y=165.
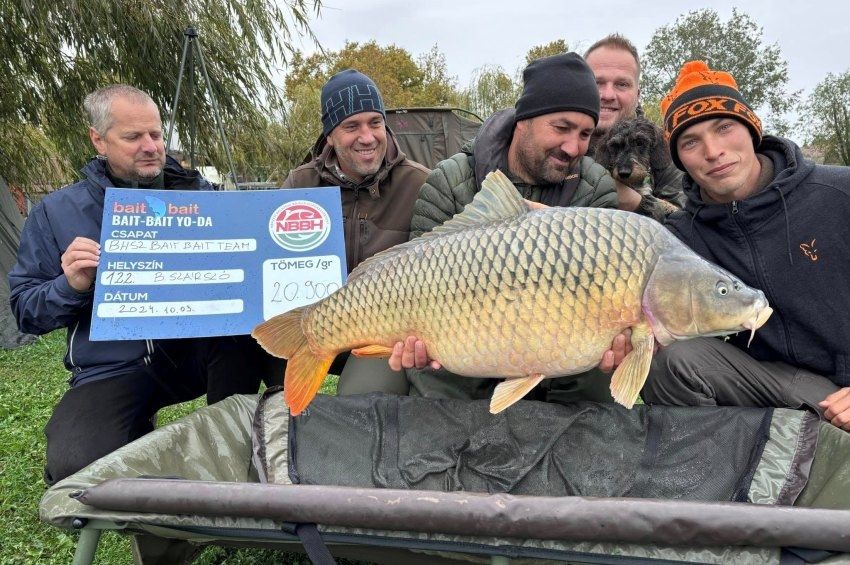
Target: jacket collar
x=327 y=166
x=490 y=146
x=175 y=177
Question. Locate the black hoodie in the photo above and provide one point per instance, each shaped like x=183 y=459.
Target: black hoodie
x=791 y=240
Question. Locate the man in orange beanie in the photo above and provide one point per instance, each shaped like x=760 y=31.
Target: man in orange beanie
x=777 y=221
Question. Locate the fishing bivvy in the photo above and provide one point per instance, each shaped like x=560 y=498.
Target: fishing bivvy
x=390 y=479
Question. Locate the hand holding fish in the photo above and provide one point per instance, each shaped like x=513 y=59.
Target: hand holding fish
x=837 y=408
x=522 y=294
x=411 y=353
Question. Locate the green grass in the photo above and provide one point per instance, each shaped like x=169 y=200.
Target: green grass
x=32 y=380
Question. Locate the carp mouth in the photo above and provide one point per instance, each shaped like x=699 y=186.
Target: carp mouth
x=757 y=321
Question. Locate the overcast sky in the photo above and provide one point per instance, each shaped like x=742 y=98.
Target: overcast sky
x=814 y=36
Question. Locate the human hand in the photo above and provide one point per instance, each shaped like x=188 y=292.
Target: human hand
x=411 y=353
x=627 y=198
x=837 y=408
x=79 y=263
x=620 y=347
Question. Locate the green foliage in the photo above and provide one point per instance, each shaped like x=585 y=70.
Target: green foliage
x=34 y=380
x=402 y=80
x=734 y=46
x=552 y=48
x=491 y=89
x=52 y=54
x=827 y=118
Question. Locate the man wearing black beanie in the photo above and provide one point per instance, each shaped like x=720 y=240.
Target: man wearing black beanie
x=540 y=145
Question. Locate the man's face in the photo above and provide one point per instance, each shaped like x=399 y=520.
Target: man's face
x=547 y=148
x=133 y=145
x=719 y=156
x=360 y=143
x=616 y=74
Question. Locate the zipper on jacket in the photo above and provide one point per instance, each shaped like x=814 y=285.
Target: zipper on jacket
x=71 y=344
x=354 y=239
x=364 y=228
x=763 y=287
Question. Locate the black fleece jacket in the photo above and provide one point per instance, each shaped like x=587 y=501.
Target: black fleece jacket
x=791 y=240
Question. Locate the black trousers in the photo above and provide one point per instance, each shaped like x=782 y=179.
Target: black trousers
x=710 y=372
x=96 y=418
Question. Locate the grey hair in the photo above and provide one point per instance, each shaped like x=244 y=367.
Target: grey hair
x=98 y=104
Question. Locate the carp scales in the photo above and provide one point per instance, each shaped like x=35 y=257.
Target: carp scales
x=504 y=291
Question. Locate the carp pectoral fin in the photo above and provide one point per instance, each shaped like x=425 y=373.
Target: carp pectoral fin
x=630 y=376
x=509 y=391
x=372 y=351
x=305 y=373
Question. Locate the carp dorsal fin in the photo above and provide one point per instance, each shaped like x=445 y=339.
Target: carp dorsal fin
x=497 y=200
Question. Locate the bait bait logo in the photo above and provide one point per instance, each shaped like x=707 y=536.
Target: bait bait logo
x=300 y=225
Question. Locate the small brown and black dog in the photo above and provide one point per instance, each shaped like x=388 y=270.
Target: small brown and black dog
x=635 y=153
x=631 y=149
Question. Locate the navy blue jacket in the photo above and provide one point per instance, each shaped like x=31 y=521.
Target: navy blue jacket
x=791 y=240
x=41 y=298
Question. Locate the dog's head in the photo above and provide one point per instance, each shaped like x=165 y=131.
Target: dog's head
x=630 y=150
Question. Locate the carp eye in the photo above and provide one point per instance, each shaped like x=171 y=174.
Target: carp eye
x=722 y=289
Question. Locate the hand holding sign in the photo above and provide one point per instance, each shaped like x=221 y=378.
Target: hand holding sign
x=79 y=263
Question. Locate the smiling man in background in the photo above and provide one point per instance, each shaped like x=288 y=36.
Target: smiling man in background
x=616 y=65
x=378 y=186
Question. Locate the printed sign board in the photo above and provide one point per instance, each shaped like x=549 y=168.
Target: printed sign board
x=202 y=263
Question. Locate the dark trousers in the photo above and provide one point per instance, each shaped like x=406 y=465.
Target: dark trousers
x=711 y=372
x=97 y=417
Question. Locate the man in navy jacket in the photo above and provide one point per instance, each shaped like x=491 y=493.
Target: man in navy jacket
x=777 y=221
x=116 y=387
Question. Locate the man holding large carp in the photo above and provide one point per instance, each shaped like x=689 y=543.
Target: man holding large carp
x=540 y=145
x=494 y=261
x=758 y=208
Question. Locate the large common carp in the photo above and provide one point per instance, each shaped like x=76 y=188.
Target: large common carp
x=504 y=291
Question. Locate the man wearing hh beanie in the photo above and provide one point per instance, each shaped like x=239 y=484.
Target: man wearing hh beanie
x=759 y=209
x=378 y=185
x=540 y=144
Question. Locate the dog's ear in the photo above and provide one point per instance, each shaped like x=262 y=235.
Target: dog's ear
x=659 y=157
x=602 y=155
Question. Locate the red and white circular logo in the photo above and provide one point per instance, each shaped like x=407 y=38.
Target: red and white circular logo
x=300 y=225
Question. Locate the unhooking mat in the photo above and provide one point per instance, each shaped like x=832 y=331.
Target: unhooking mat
x=764 y=456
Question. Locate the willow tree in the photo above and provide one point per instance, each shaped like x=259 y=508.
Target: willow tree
x=53 y=53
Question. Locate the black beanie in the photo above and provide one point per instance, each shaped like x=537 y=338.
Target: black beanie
x=560 y=83
x=347 y=93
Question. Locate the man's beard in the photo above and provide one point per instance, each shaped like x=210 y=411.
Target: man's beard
x=541 y=170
